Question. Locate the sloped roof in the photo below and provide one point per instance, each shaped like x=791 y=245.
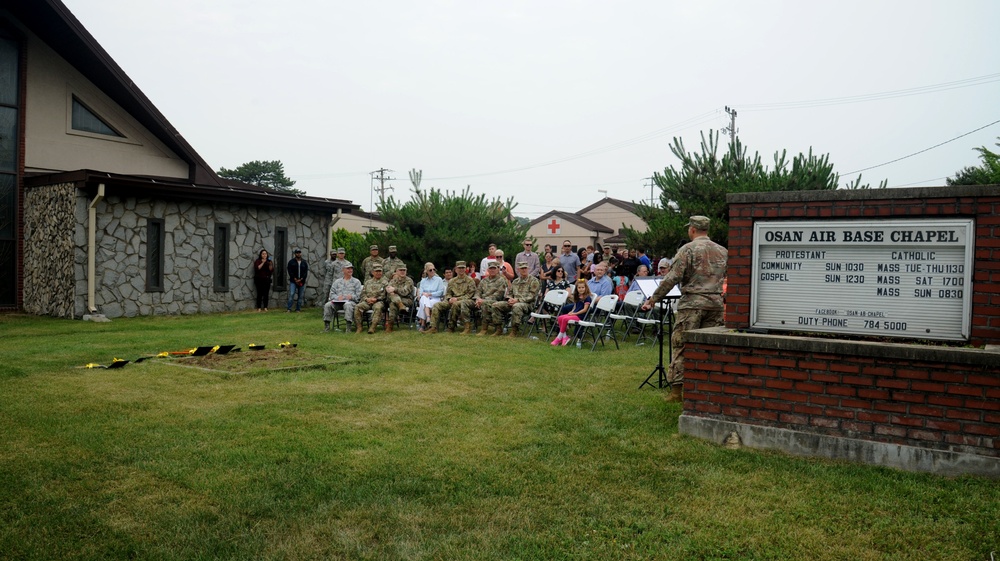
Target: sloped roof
x=52 y=21
x=574 y=219
x=624 y=205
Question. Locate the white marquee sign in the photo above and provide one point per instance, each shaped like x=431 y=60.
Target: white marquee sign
x=903 y=278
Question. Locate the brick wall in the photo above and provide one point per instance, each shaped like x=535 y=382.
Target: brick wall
x=979 y=202
x=931 y=397
x=873 y=402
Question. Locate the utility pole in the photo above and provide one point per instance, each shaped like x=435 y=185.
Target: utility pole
x=731 y=131
x=382 y=178
x=381 y=188
x=651 y=184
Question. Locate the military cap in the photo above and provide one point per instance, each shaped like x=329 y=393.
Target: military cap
x=373 y=248
x=699 y=222
x=392 y=248
x=376 y=268
x=492 y=265
x=459 y=264
x=522 y=264
x=340 y=250
x=401 y=267
x=348 y=265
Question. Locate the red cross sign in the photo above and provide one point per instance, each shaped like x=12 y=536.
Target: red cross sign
x=554 y=226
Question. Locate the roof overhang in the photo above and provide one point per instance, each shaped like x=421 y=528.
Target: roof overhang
x=54 y=24
x=171 y=189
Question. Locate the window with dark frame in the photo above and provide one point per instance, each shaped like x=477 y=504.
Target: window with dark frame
x=220 y=258
x=85 y=119
x=280 y=259
x=155 y=242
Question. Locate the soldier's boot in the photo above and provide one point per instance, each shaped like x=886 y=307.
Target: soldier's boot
x=483 y=329
x=358 y=330
x=499 y=331
x=388 y=326
x=676 y=394
x=468 y=328
x=430 y=329
x=515 y=330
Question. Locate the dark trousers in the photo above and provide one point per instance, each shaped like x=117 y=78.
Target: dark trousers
x=263 y=292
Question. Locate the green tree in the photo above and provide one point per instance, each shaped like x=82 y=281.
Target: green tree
x=700 y=184
x=444 y=227
x=354 y=244
x=987 y=173
x=269 y=174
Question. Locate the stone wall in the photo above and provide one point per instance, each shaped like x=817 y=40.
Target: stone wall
x=48 y=243
x=189 y=247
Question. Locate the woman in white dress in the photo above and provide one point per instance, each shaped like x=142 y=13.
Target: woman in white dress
x=431 y=290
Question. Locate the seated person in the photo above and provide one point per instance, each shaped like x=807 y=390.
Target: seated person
x=372 y=298
x=600 y=285
x=431 y=290
x=576 y=312
x=457 y=301
x=523 y=292
x=398 y=295
x=345 y=293
x=490 y=290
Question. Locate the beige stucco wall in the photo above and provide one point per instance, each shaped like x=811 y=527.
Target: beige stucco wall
x=577 y=235
x=359 y=224
x=613 y=216
x=51 y=145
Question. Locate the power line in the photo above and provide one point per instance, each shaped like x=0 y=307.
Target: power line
x=693 y=121
x=919 y=90
x=922 y=151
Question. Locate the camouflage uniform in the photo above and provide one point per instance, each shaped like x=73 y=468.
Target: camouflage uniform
x=369 y=264
x=333 y=269
x=463 y=288
x=401 y=298
x=374 y=288
x=699 y=267
x=342 y=288
x=525 y=291
x=390 y=264
x=491 y=290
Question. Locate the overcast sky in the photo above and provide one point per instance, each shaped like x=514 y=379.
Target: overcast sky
x=552 y=103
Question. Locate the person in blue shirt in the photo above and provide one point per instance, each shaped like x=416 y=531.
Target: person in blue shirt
x=644 y=259
x=600 y=285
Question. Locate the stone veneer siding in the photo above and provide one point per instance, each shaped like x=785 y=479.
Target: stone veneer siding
x=917 y=407
x=190 y=239
x=49 y=216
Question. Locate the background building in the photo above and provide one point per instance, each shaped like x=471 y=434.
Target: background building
x=601 y=222
x=104 y=207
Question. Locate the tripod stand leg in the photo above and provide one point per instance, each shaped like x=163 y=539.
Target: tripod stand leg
x=661 y=379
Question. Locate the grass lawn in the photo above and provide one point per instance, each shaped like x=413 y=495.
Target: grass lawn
x=406 y=446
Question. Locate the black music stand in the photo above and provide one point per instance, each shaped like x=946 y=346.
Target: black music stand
x=666 y=315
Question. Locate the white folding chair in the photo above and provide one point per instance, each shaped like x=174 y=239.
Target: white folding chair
x=598 y=322
x=553 y=300
x=630 y=309
x=664 y=307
